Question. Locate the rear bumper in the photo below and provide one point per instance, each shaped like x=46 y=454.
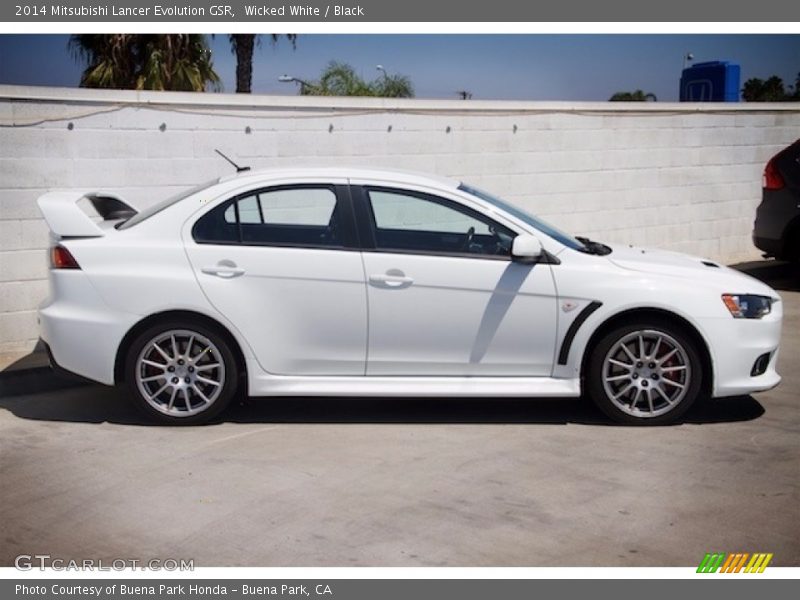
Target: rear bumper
x=778 y=209
x=769 y=246
x=61 y=371
x=82 y=334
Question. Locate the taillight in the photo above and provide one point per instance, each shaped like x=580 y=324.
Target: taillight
x=60 y=258
x=772 y=177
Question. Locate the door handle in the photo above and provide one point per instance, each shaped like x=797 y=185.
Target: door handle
x=226 y=269
x=226 y=272
x=392 y=278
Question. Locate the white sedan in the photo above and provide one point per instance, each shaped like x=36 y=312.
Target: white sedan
x=332 y=282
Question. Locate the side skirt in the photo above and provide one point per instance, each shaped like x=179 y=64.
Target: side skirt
x=262 y=384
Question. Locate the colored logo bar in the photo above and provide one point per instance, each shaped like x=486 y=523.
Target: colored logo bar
x=737 y=562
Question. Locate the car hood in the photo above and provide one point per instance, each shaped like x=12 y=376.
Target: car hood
x=677 y=264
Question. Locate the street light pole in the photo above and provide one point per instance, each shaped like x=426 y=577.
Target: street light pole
x=290 y=79
x=687 y=58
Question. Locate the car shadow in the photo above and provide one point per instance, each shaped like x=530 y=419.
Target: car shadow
x=98 y=404
x=782 y=276
x=507 y=411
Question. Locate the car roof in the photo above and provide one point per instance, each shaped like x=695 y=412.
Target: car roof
x=377 y=174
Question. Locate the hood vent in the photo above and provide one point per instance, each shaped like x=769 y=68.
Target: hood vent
x=708 y=263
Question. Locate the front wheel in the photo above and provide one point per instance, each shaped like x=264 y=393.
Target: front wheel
x=645 y=374
x=181 y=373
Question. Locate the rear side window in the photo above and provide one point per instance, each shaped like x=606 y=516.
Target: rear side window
x=296 y=216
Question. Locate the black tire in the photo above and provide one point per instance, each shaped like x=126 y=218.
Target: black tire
x=602 y=392
x=188 y=406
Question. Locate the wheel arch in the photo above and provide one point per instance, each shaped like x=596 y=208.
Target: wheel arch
x=664 y=316
x=173 y=315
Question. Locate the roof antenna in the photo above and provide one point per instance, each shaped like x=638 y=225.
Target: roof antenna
x=238 y=168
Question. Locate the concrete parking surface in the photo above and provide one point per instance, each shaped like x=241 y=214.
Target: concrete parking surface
x=416 y=482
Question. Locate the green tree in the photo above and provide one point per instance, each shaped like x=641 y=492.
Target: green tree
x=340 y=79
x=637 y=96
x=243 y=46
x=177 y=62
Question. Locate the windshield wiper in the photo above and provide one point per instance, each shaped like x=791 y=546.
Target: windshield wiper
x=592 y=247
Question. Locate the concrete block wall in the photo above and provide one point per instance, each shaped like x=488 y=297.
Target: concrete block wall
x=680 y=176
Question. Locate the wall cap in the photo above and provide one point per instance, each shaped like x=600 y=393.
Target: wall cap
x=62 y=95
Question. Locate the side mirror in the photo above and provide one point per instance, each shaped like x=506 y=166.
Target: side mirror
x=526 y=248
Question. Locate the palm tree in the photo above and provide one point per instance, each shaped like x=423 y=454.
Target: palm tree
x=758 y=90
x=341 y=79
x=243 y=45
x=178 y=62
x=111 y=60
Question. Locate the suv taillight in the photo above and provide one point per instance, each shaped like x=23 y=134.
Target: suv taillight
x=60 y=258
x=772 y=177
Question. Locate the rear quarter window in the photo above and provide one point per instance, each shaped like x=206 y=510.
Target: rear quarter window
x=156 y=208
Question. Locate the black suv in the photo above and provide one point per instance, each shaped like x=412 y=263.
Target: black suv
x=777 y=226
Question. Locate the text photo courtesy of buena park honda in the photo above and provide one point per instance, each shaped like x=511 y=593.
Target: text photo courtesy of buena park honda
x=400 y=300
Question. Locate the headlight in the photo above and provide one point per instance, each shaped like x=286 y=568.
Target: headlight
x=747 y=306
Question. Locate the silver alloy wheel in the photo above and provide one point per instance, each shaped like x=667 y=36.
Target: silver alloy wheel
x=646 y=373
x=180 y=373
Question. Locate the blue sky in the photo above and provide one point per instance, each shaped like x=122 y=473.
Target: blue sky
x=518 y=66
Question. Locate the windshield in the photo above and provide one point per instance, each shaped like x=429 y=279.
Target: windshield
x=558 y=235
x=159 y=206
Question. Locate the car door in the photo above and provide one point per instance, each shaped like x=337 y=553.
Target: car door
x=281 y=264
x=444 y=296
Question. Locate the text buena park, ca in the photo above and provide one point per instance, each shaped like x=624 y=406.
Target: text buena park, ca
x=173 y=590
x=187 y=10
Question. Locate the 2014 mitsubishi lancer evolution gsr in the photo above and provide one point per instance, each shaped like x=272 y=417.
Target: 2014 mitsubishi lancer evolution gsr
x=331 y=282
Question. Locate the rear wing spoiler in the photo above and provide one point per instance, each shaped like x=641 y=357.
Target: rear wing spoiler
x=66 y=219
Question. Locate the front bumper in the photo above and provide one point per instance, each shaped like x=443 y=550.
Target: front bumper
x=735 y=346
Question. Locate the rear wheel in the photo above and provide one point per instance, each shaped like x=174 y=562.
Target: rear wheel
x=181 y=373
x=645 y=373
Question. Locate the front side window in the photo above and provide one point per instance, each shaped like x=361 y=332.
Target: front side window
x=414 y=222
x=558 y=235
x=297 y=216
